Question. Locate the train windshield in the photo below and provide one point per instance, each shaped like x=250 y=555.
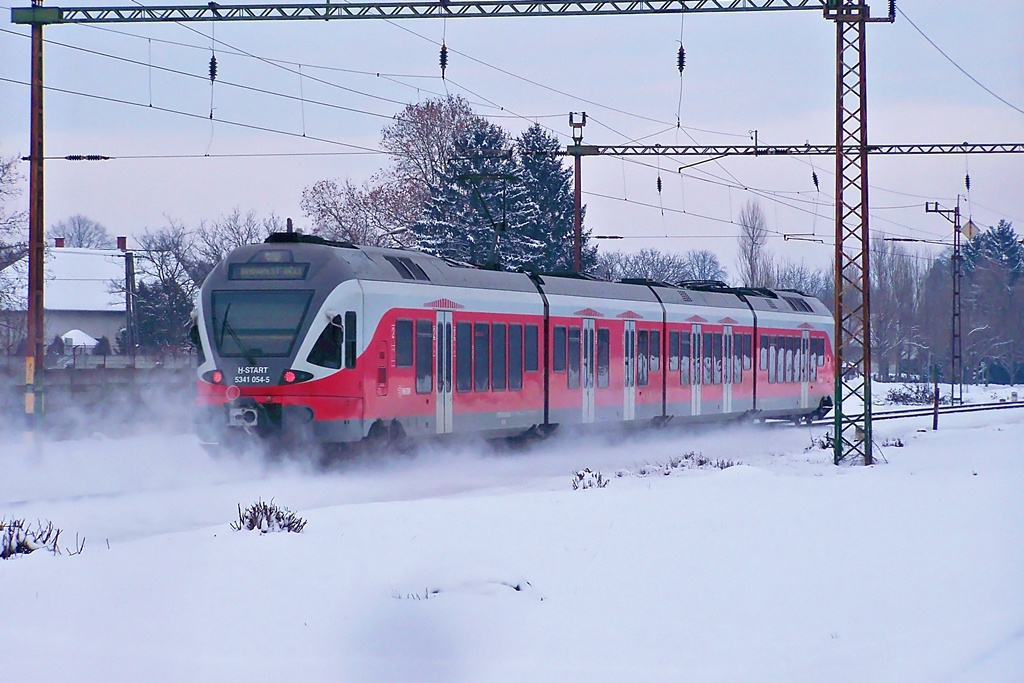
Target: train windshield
x=250 y=324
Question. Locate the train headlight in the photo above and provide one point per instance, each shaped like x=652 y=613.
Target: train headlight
x=214 y=377
x=295 y=376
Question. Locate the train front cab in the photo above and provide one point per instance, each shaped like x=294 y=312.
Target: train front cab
x=281 y=356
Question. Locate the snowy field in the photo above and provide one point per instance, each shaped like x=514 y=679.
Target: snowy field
x=470 y=565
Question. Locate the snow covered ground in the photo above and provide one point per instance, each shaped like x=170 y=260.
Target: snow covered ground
x=470 y=565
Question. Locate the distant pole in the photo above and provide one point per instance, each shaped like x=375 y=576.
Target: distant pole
x=577 y=217
x=36 y=234
x=956 y=390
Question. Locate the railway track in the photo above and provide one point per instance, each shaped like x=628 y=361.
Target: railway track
x=928 y=411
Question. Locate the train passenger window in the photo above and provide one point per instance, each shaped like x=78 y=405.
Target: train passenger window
x=574 y=357
x=350 y=339
x=684 y=358
x=403 y=344
x=737 y=358
x=603 y=356
x=763 y=353
x=655 y=350
x=530 y=361
x=673 y=351
x=812 y=364
x=558 y=359
x=780 y=359
x=463 y=357
x=769 y=352
x=424 y=356
x=716 y=348
x=697 y=365
x=708 y=376
x=515 y=357
x=498 y=377
x=329 y=349
x=727 y=358
x=747 y=351
x=481 y=357
x=785 y=359
x=642 y=351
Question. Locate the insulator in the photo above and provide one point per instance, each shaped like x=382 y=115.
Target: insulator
x=659 y=184
x=967 y=182
x=814 y=177
x=213 y=68
x=444 y=58
x=681 y=59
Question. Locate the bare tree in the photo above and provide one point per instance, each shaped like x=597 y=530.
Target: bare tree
x=788 y=274
x=425 y=138
x=897 y=282
x=212 y=241
x=754 y=260
x=13 y=244
x=652 y=264
x=379 y=213
x=704 y=265
x=82 y=231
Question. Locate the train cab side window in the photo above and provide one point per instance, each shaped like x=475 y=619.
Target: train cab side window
x=350 y=339
x=642 y=362
x=193 y=336
x=498 y=376
x=673 y=351
x=403 y=344
x=515 y=357
x=558 y=353
x=574 y=357
x=463 y=357
x=329 y=349
x=424 y=356
x=481 y=357
x=763 y=354
x=530 y=361
x=655 y=350
x=603 y=356
x=747 y=351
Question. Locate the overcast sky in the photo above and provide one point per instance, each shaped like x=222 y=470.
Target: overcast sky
x=769 y=71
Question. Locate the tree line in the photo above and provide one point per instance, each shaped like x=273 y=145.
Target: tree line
x=463 y=188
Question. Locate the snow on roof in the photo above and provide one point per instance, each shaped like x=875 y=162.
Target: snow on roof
x=76 y=279
x=78 y=338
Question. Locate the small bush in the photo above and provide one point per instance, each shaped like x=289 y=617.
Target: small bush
x=17 y=537
x=895 y=443
x=913 y=395
x=823 y=443
x=267 y=517
x=585 y=479
x=686 y=461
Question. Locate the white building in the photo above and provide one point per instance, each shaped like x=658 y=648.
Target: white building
x=83 y=291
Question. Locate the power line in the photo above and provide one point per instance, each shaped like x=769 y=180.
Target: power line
x=204 y=117
x=960 y=68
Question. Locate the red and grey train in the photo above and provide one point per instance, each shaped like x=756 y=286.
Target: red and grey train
x=338 y=343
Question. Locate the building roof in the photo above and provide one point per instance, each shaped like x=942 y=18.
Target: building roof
x=76 y=280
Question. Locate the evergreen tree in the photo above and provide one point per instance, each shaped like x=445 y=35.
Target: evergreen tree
x=549 y=218
x=163 y=311
x=478 y=194
x=998 y=246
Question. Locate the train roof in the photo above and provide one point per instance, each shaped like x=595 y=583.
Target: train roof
x=338 y=261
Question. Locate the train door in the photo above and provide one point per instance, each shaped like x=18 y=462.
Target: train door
x=695 y=370
x=588 y=370
x=629 y=377
x=443 y=349
x=727 y=369
x=805 y=370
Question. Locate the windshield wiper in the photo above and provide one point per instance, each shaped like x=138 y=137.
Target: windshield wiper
x=226 y=327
